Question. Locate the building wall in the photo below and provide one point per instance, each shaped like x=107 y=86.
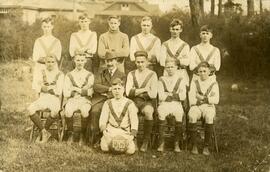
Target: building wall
x=29 y=16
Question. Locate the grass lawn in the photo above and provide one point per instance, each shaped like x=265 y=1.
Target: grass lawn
x=243 y=128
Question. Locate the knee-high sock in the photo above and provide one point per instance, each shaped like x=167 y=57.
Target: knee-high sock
x=208 y=133
x=69 y=122
x=37 y=121
x=178 y=132
x=161 y=130
x=148 y=125
x=193 y=132
x=84 y=122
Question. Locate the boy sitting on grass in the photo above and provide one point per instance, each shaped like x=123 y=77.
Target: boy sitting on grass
x=118 y=121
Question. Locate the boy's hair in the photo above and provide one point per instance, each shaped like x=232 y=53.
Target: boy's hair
x=78 y=53
x=203 y=64
x=206 y=28
x=176 y=22
x=114 y=17
x=48 y=20
x=117 y=81
x=141 y=53
x=171 y=60
x=146 y=18
x=51 y=56
x=84 y=16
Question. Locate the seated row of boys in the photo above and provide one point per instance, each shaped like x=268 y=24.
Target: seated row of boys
x=114 y=114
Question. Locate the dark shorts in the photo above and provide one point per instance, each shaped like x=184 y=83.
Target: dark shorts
x=141 y=103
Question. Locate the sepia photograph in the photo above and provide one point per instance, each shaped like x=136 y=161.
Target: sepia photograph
x=135 y=85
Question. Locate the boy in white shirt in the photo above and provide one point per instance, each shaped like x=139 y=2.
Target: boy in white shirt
x=203 y=96
x=78 y=89
x=49 y=84
x=141 y=87
x=171 y=91
x=118 y=119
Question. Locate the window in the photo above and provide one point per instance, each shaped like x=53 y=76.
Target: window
x=125 y=7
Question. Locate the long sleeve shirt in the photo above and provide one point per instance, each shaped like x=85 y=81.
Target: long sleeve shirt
x=54 y=79
x=140 y=78
x=208 y=88
x=208 y=53
x=46 y=45
x=83 y=40
x=82 y=79
x=177 y=49
x=130 y=119
x=173 y=86
x=113 y=41
x=149 y=43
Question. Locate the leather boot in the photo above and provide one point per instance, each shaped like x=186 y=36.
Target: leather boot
x=161 y=136
x=148 y=125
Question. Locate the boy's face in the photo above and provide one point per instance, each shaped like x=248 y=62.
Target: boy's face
x=117 y=91
x=141 y=63
x=50 y=63
x=171 y=68
x=84 y=23
x=205 y=36
x=47 y=27
x=175 y=31
x=111 y=64
x=204 y=73
x=146 y=26
x=114 y=24
x=80 y=61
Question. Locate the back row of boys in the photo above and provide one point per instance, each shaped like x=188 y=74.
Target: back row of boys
x=142 y=84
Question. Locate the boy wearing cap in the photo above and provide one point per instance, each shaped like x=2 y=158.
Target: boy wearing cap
x=141 y=87
x=205 y=52
x=118 y=119
x=103 y=88
x=146 y=41
x=44 y=46
x=113 y=41
x=78 y=89
x=177 y=49
x=49 y=85
x=84 y=41
x=203 y=96
x=171 y=91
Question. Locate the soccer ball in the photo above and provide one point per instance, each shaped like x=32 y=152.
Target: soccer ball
x=119 y=144
x=234 y=87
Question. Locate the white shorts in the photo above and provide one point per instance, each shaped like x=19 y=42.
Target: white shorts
x=174 y=108
x=77 y=103
x=45 y=101
x=206 y=111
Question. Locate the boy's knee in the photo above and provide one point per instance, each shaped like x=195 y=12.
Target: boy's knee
x=131 y=148
x=148 y=112
x=104 y=145
x=209 y=118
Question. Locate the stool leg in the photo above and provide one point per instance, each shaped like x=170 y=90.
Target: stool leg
x=215 y=139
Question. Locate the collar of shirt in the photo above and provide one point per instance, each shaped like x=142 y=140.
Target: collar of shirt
x=111 y=72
